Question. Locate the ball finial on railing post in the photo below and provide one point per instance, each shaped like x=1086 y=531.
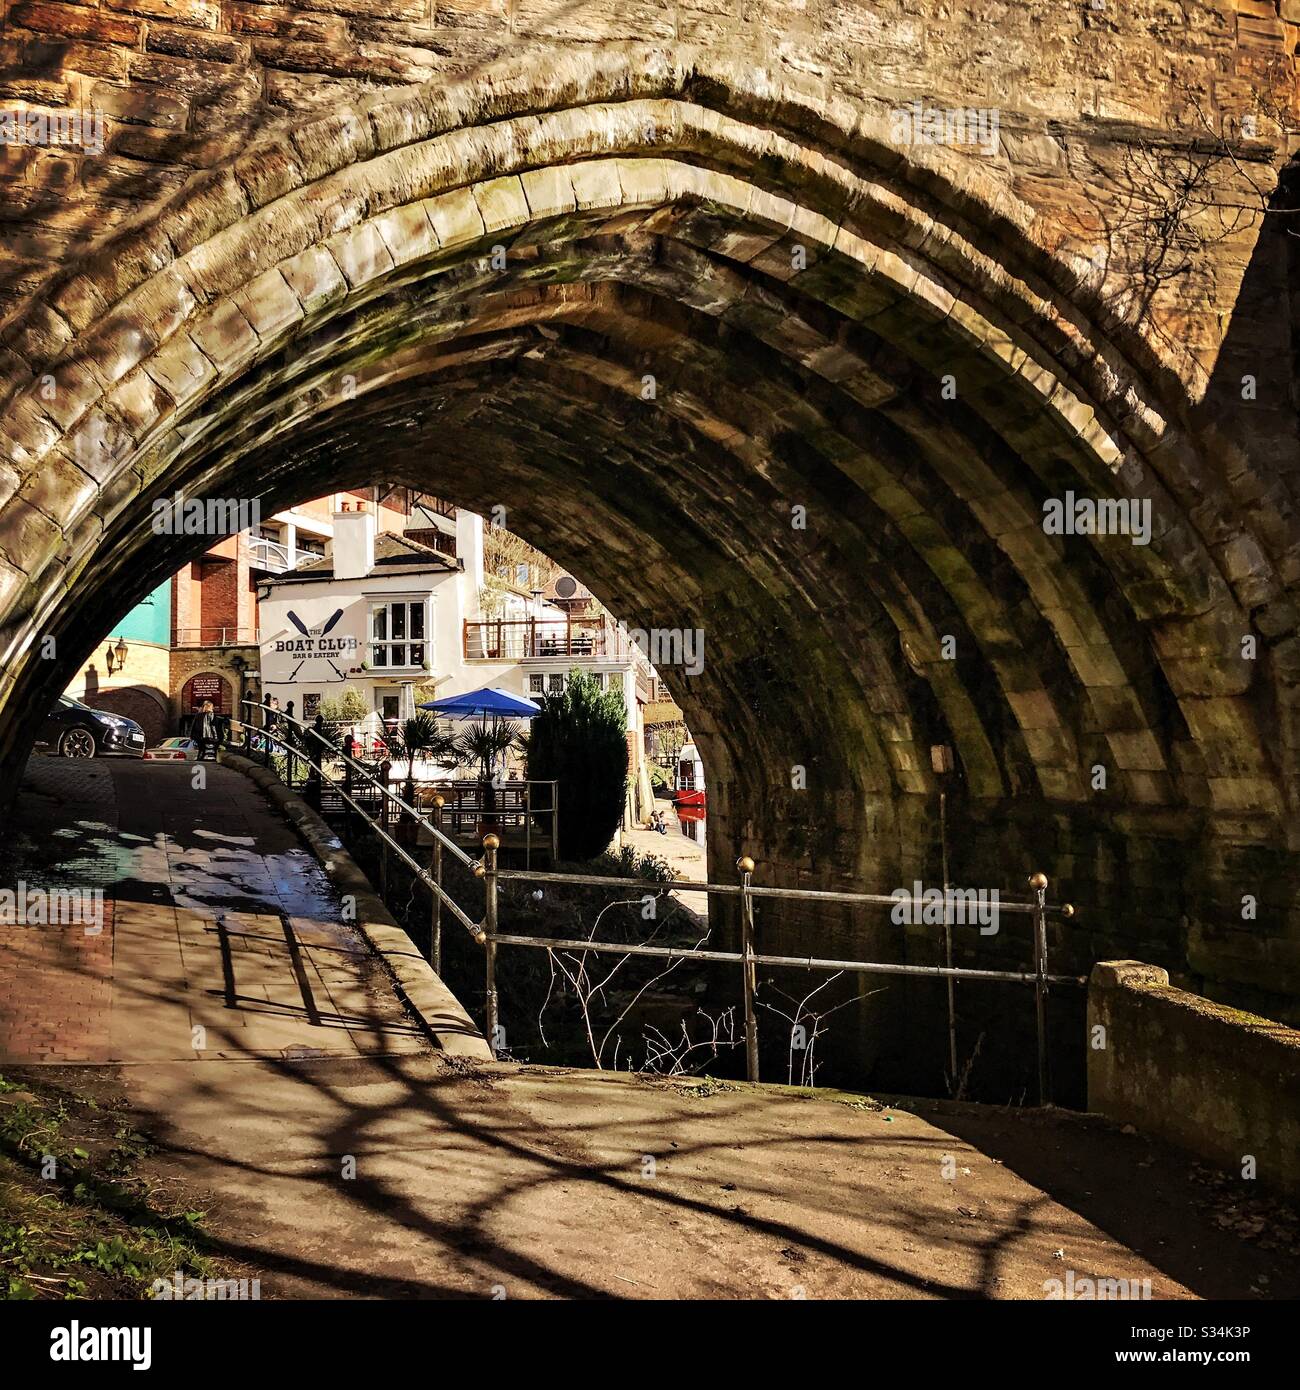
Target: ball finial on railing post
x=1038 y=881
x=745 y=864
x=439 y=802
x=491 y=842
x=1067 y=909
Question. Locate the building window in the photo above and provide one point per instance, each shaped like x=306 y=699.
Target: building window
x=397 y=635
x=599 y=678
x=555 y=683
x=536 y=683
x=616 y=682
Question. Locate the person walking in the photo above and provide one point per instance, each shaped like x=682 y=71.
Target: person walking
x=205 y=730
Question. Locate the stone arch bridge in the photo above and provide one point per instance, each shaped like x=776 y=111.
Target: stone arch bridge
x=741 y=321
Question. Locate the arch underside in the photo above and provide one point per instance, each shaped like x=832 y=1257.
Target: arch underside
x=743 y=372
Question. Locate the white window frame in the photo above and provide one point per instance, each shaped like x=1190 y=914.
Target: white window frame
x=387 y=602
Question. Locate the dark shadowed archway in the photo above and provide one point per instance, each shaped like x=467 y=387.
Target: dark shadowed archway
x=724 y=350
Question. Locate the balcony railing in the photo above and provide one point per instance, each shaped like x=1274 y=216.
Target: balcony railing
x=265 y=554
x=526 y=639
x=216 y=637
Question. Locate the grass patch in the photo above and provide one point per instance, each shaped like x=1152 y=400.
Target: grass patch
x=76 y=1221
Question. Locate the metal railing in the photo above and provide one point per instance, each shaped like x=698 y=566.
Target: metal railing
x=278 y=557
x=216 y=636
x=523 y=639
x=463 y=805
x=489 y=936
x=258 y=739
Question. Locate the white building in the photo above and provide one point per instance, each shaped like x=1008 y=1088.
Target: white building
x=380 y=612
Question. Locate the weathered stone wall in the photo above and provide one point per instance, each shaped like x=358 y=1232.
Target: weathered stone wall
x=870 y=361
x=186 y=86
x=1222 y=1084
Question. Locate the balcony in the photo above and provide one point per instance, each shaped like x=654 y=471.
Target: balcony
x=264 y=554
x=216 y=637
x=533 y=639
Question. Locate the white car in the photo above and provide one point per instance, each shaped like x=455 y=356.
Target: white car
x=174 y=750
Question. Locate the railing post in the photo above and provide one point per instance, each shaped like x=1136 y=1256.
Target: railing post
x=1038 y=882
x=435 y=868
x=490 y=846
x=384 y=769
x=746 y=866
x=947 y=941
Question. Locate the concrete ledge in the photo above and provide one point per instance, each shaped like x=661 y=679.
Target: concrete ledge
x=1222 y=1084
x=437 y=1010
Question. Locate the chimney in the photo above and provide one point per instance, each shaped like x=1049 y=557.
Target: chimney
x=354 y=542
x=469 y=547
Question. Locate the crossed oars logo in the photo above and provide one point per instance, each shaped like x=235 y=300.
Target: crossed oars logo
x=312 y=633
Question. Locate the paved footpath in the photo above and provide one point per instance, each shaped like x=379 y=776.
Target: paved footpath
x=337 y=1155
x=222 y=936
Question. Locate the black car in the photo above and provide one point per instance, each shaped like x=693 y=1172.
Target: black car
x=74 y=730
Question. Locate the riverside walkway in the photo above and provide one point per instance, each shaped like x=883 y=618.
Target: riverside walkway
x=339 y=1154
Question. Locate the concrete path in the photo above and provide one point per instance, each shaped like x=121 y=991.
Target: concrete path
x=686 y=858
x=410 y=1177
x=222 y=937
x=338 y=1156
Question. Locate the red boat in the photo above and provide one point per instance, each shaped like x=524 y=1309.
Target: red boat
x=688 y=782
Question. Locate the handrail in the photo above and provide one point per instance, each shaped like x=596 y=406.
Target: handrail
x=1012 y=905
x=749 y=957
x=488 y=935
x=367 y=774
x=475 y=929
x=865 y=967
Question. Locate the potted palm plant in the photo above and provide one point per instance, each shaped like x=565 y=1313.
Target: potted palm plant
x=486 y=744
x=416 y=737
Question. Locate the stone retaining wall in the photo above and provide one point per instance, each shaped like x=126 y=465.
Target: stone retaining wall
x=1222 y=1084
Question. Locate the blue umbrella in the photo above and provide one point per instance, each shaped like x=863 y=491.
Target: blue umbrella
x=479 y=704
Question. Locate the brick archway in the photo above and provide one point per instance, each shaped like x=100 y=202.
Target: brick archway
x=723 y=349
x=207 y=685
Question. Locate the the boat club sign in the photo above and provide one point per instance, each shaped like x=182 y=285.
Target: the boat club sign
x=317 y=644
